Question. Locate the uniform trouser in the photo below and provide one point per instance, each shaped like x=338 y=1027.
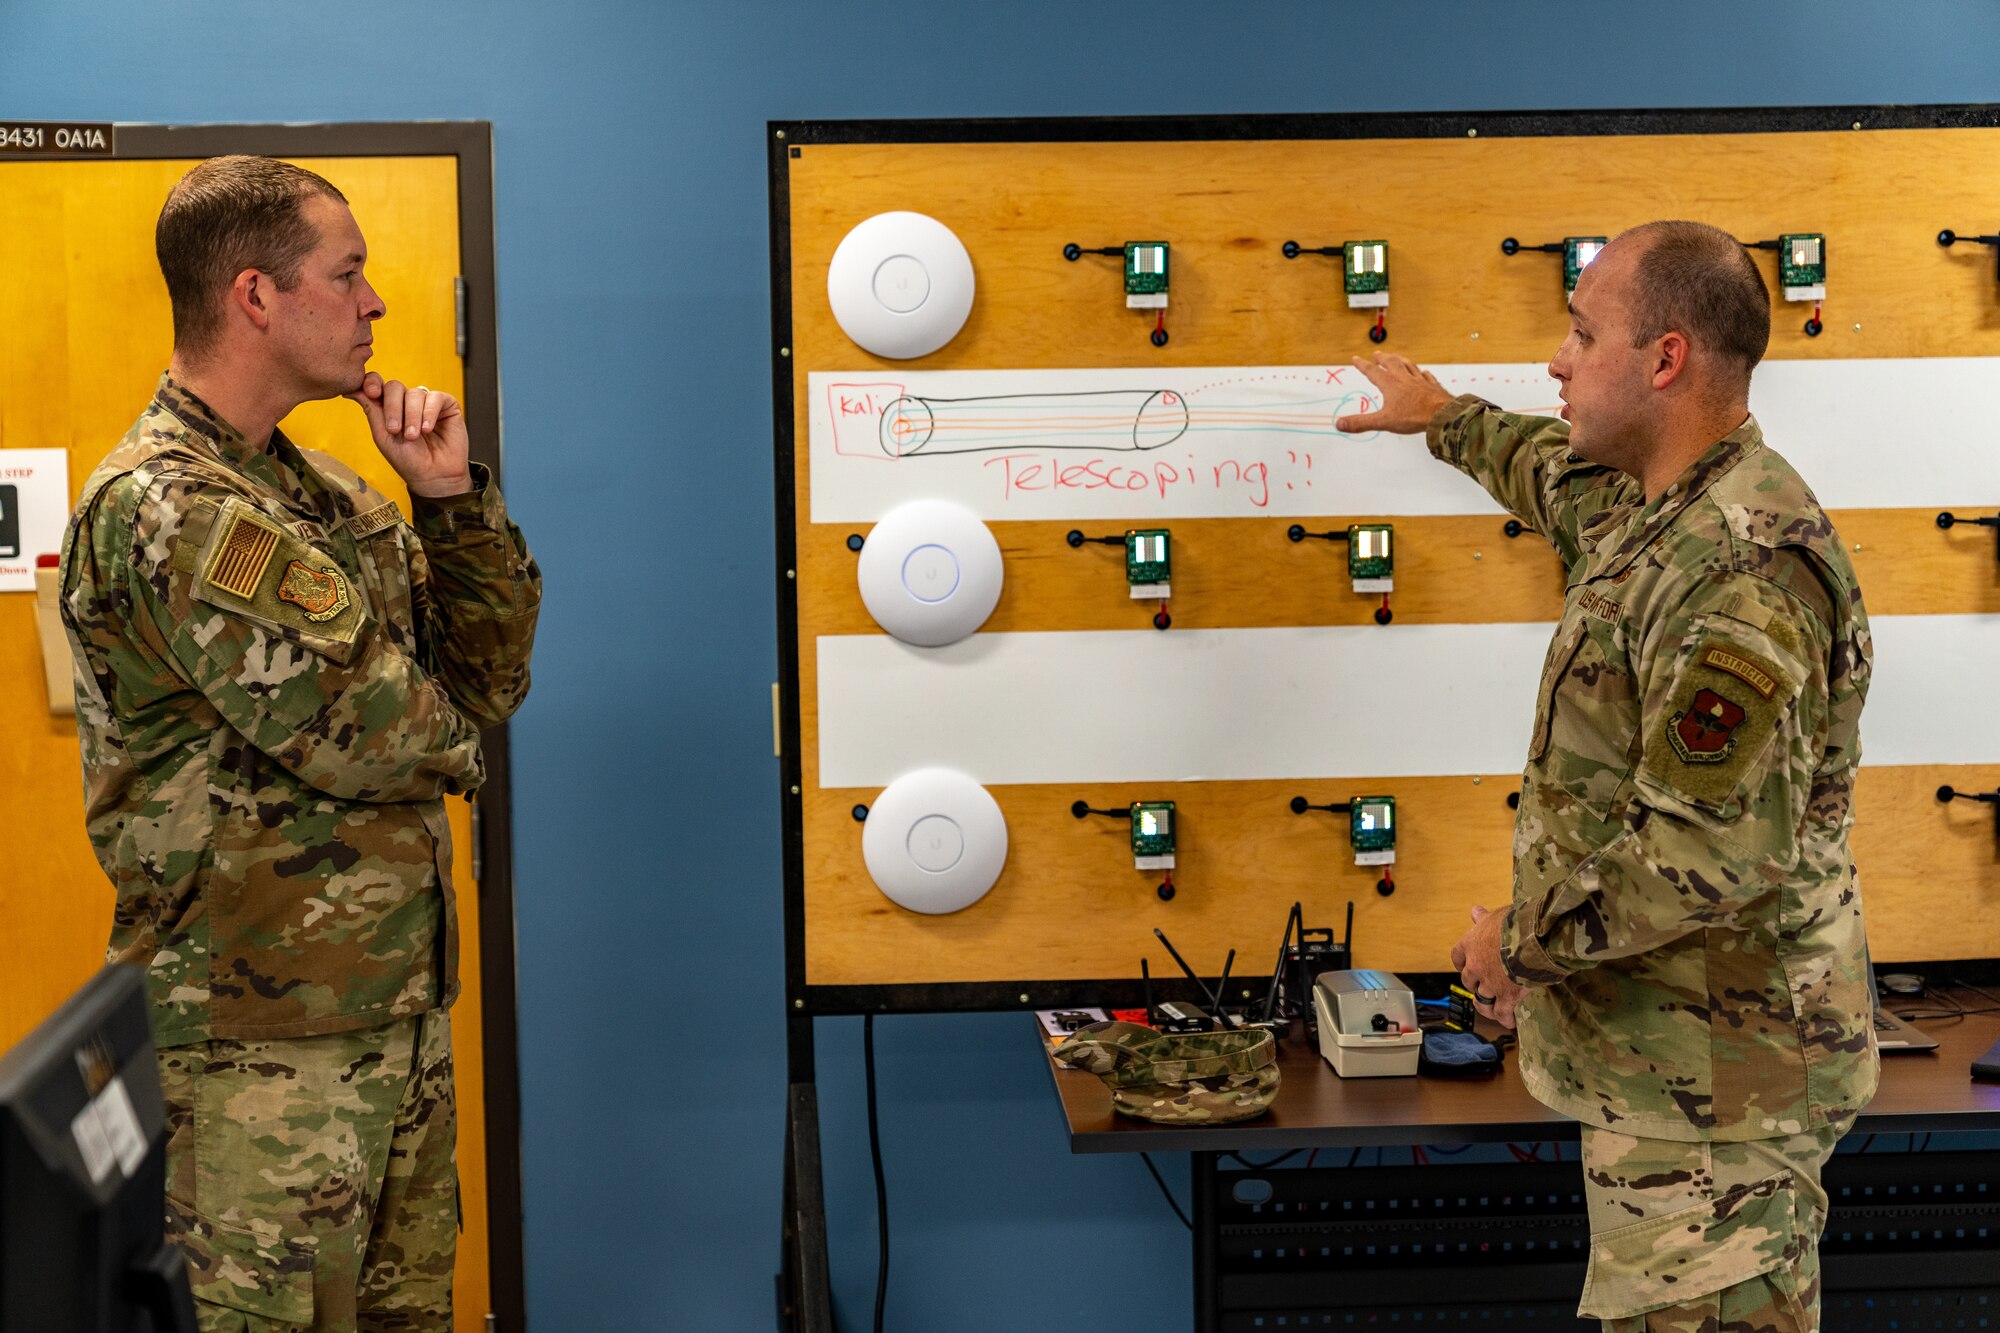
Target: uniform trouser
x=312 y=1180
x=1696 y=1237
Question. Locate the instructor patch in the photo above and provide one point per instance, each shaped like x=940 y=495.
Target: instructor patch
x=1744 y=670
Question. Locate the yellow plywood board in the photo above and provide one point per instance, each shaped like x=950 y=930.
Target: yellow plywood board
x=1444 y=205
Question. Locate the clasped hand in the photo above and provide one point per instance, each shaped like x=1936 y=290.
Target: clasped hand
x=421 y=432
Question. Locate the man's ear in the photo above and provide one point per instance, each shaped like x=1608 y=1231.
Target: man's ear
x=1670 y=359
x=250 y=295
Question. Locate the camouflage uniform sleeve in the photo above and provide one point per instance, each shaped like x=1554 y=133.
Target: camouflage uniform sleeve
x=1523 y=462
x=271 y=632
x=1732 y=726
x=483 y=595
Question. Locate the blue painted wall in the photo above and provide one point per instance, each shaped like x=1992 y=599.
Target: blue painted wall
x=634 y=305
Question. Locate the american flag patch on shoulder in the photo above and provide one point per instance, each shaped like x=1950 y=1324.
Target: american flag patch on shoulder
x=241 y=557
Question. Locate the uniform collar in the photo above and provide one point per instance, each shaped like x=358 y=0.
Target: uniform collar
x=1620 y=545
x=278 y=465
x=204 y=422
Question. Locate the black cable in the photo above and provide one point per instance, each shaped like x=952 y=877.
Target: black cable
x=1241 y=1160
x=1958 y=1009
x=1160 y=1180
x=875 y=1155
x=1988 y=996
x=1354 y=1157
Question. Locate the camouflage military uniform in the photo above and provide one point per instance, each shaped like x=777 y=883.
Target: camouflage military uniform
x=339 y=1130
x=1685 y=906
x=1704 y=1236
x=278 y=681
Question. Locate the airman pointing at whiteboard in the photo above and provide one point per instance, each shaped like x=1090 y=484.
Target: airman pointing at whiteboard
x=1684 y=953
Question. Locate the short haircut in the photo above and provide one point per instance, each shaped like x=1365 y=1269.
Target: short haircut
x=227 y=215
x=1698 y=280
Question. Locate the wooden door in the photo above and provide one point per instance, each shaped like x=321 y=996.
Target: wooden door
x=85 y=331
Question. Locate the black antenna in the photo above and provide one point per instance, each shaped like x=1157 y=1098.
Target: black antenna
x=1222 y=990
x=1307 y=1013
x=1206 y=993
x=1349 y=941
x=1278 y=972
x=1146 y=980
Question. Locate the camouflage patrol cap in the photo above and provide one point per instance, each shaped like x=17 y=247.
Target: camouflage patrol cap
x=1199 y=1078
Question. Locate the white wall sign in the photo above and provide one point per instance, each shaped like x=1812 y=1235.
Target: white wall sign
x=34 y=506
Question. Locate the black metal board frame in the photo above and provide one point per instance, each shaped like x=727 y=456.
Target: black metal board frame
x=471 y=142
x=804 y=1302
x=786 y=139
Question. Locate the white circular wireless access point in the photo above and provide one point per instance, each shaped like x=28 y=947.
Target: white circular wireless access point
x=930 y=572
x=934 y=841
x=900 y=284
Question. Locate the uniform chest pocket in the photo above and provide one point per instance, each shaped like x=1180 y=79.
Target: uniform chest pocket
x=387 y=569
x=1587 y=716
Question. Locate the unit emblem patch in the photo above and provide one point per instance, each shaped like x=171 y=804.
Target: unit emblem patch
x=320 y=593
x=1705 y=731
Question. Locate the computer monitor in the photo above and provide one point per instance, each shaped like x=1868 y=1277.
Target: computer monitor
x=83 y=1173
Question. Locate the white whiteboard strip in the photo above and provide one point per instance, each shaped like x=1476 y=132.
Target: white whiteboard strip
x=1248 y=441
x=1181 y=706
x=1350 y=701
x=1933 y=697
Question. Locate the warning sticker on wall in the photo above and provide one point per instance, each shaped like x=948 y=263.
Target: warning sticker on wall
x=34 y=505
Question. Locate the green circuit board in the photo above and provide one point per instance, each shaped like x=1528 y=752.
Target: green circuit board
x=1152 y=828
x=1145 y=268
x=1370 y=554
x=1802 y=259
x=1366 y=267
x=1372 y=823
x=1148 y=557
x=1578 y=251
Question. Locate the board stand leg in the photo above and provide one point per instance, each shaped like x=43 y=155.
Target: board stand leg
x=1201 y=1210
x=805 y=1294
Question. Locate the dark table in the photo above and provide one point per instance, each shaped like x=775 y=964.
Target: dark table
x=1921 y=1092
x=1329 y=1245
